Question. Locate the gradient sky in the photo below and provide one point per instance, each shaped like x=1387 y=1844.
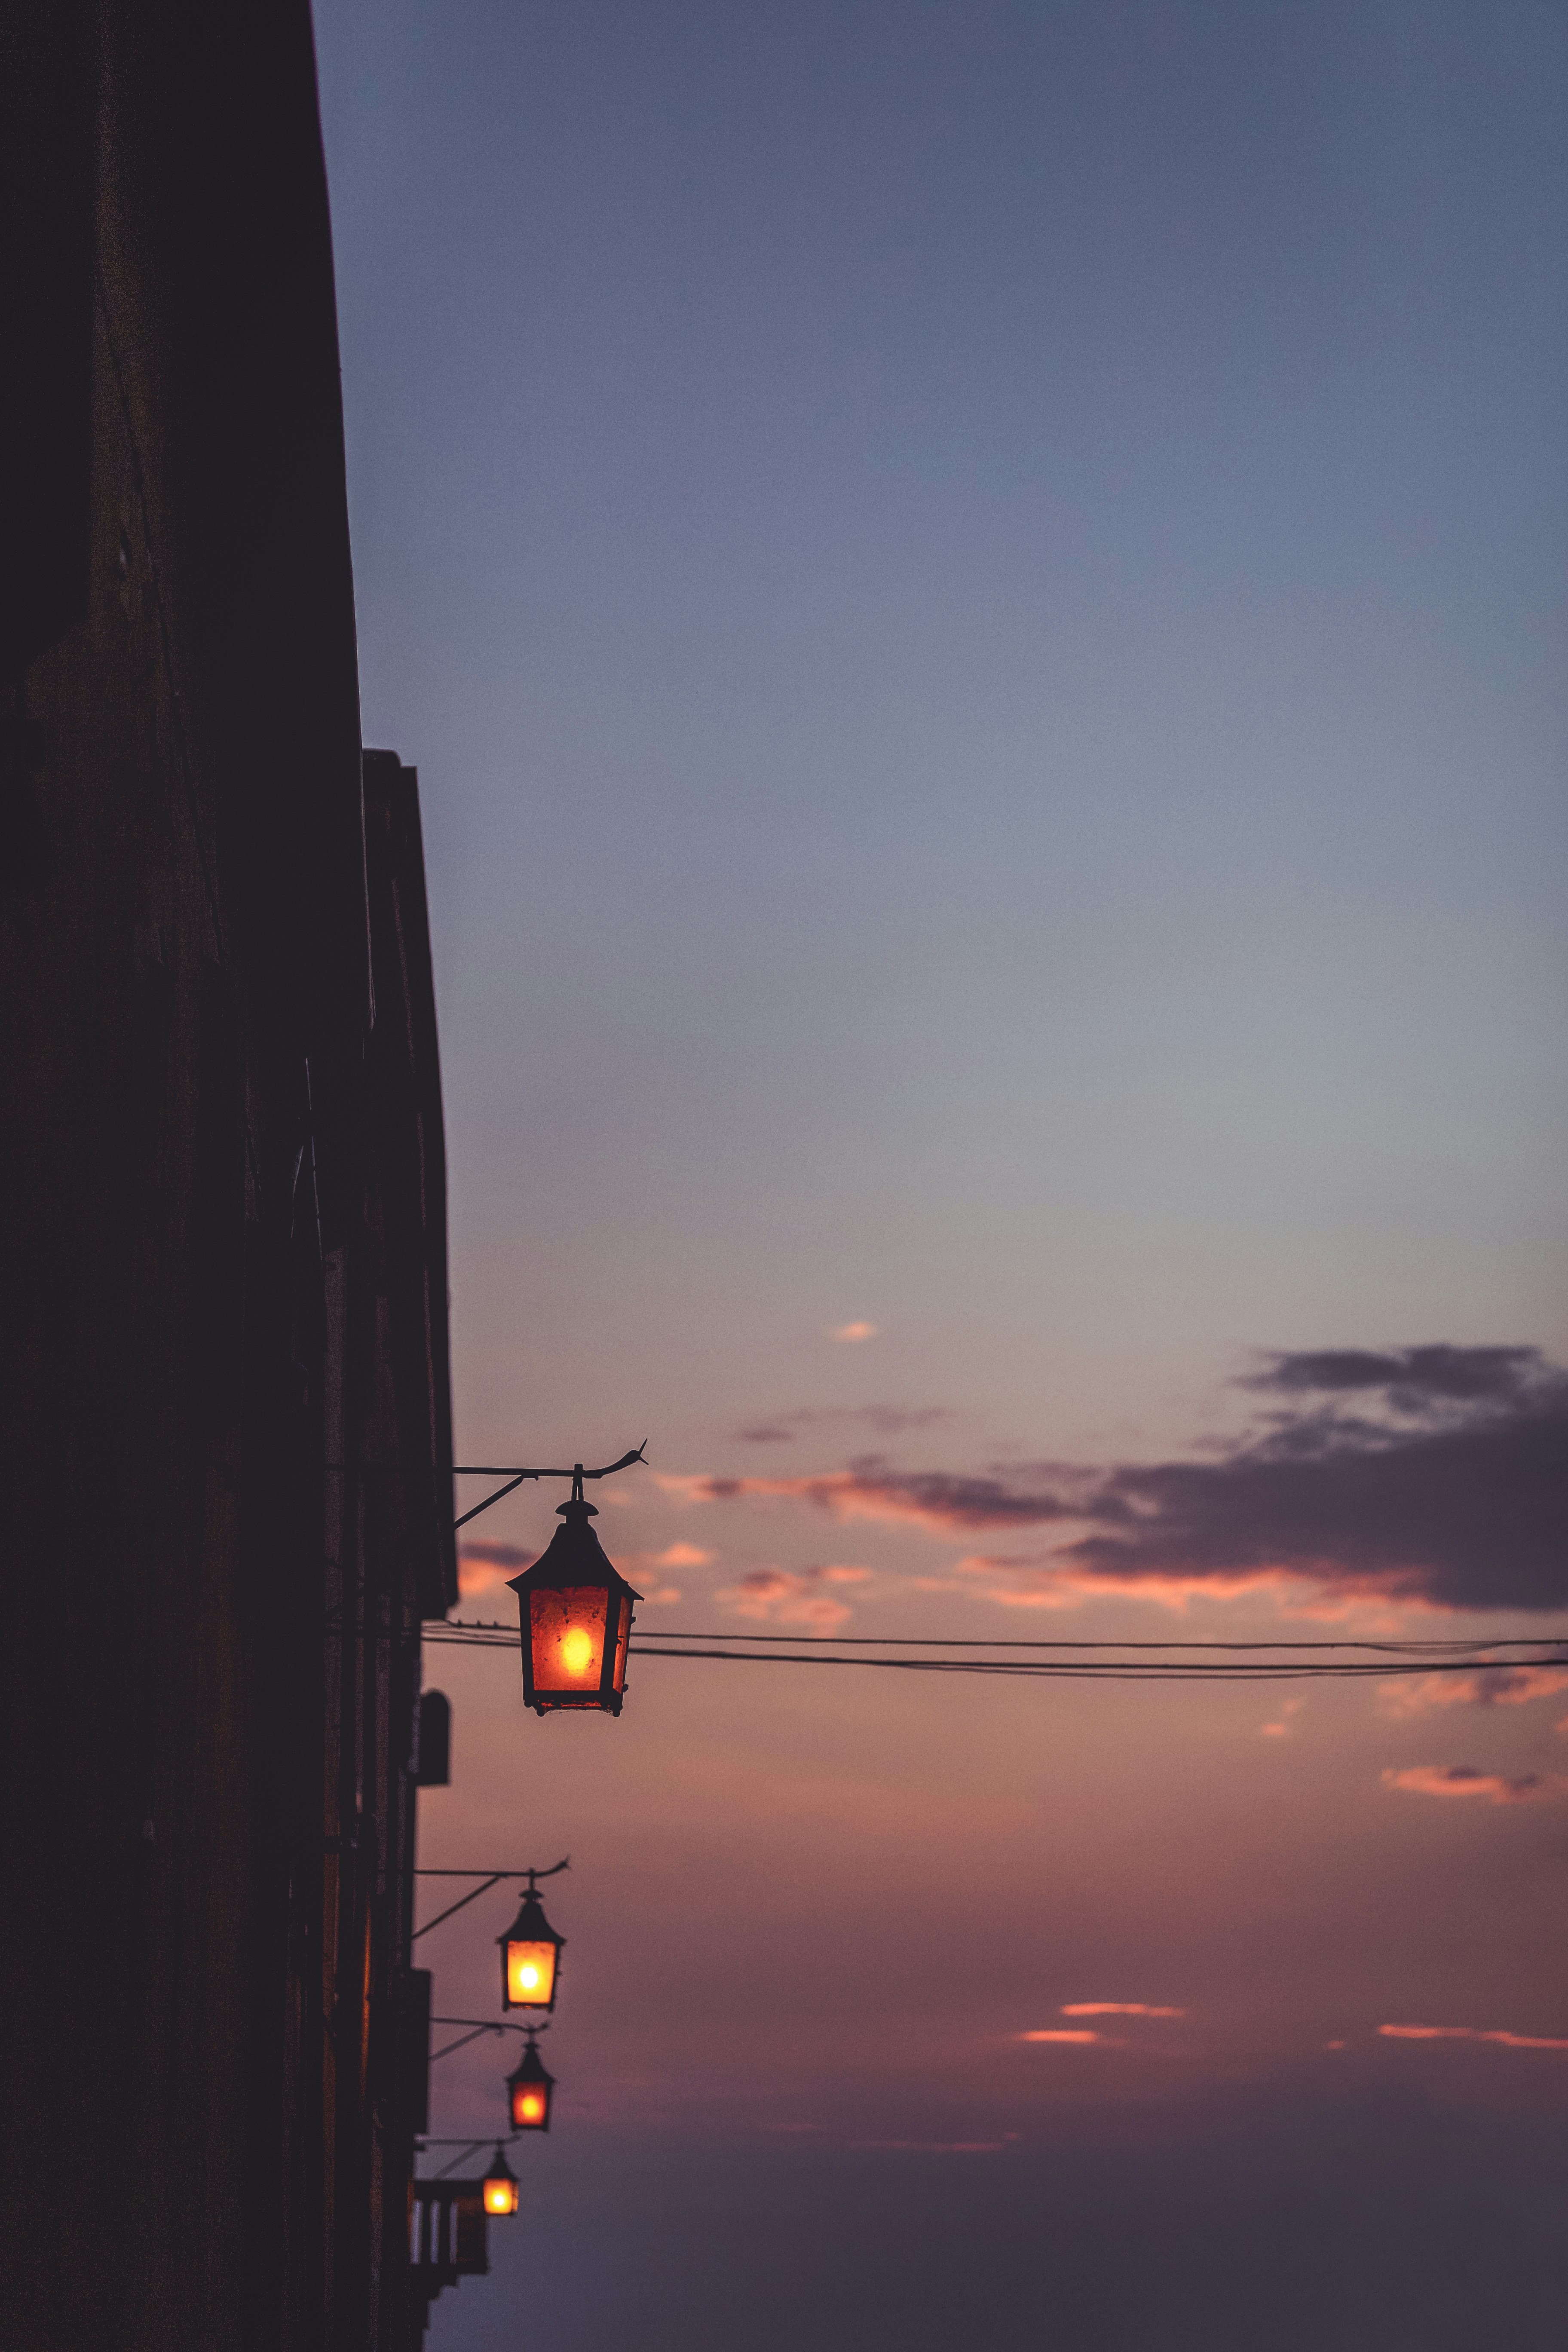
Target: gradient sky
x=977 y=594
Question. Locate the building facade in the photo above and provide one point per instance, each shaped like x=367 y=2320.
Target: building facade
x=225 y=1432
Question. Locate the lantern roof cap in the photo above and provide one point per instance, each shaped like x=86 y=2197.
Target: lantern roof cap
x=531 y=2067
x=573 y=1556
x=531 y=1926
x=498 y=2168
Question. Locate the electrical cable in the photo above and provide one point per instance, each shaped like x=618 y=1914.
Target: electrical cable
x=1002 y=1642
x=1389 y=1659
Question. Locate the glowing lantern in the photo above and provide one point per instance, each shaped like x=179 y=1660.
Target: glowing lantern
x=500 y=2186
x=576 y=1613
x=530 y=1957
x=530 y=2090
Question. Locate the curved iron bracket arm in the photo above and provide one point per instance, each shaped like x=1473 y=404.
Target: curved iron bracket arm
x=492 y=1878
x=514 y=1479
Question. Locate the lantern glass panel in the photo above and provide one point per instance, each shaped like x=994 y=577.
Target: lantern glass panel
x=530 y=1975
x=623 y=1635
x=530 y=2105
x=566 y=1636
x=528 y=2093
x=500 y=2196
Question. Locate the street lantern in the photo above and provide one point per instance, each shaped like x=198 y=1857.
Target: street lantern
x=529 y=2090
x=529 y=1956
x=576 y=1613
x=500 y=2190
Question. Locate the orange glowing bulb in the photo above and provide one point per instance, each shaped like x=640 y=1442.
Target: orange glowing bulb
x=499 y=2190
x=577 y=1651
x=532 y=2107
x=530 y=1972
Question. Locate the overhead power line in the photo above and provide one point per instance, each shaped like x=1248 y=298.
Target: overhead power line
x=1302 y=1661
x=1007 y=1642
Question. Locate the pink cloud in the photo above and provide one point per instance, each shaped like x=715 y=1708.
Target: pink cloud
x=1062 y=2033
x=1469 y=1780
x=1284 y=1727
x=1504 y=1687
x=855 y=1332
x=482 y=1566
x=1115 y=2009
x=779 y=1596
x=682 y=1555
x=936 y=1500
x=1472 y=2033
x=1430 y=1474
x=1052 y=1579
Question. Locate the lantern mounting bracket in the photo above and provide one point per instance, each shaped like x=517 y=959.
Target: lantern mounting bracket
x=514 y=1478
x=495 y=2024
x=491 y=1878
x=481 y=2026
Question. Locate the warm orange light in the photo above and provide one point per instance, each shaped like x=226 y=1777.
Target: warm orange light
x=497 y=2190
x=576 y=1612
x=568 y=1630
x=528 y=2091
x=530 y=1975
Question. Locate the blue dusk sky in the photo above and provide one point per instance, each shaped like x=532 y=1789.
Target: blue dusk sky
x=977 y=594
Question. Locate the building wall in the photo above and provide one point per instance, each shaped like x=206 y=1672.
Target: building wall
x=224 y=1418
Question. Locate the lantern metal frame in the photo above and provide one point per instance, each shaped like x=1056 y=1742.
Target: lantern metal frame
x=529 y=2072
x=498 y=2169
x=531 y=1927
x=576 y=1561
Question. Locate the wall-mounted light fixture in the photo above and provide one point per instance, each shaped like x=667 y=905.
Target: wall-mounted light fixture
x=574 y=1605
x=530 y=1956
x=576 y=1614
x=500 y=2188
x=528 y=2091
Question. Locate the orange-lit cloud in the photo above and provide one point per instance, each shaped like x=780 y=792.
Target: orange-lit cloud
x=1500 y=1686
x=682 y=1555
x=1472 y=2033
x=1116 y=2009
x=853 y=1332
x=482 y=1566
x=1284 y=1725
x=1469 y=1780
x=1051 y=1579
x=780 y=1596
x=1062 y=2033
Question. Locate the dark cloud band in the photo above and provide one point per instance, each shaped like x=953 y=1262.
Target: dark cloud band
x=1447 y=1482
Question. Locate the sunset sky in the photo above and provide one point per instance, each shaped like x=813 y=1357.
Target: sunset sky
x=976 y=591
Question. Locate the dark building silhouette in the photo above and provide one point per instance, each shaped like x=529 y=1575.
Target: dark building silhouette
x=224 y=1430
